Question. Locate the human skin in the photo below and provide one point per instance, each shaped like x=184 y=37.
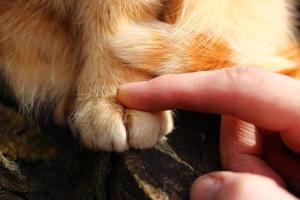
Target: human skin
x=259 y=129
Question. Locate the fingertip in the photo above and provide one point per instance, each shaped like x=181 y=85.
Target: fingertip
x=209 y=186
x=148 y=96
x=205 y=187
x=234 y=186
x=129 y=94
x=121 y=93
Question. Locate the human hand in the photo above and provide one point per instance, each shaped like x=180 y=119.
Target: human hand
x=268 y=105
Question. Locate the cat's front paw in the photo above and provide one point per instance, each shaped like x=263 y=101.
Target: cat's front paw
x=106 y=125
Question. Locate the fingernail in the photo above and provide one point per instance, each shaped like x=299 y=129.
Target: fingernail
x=206 y=188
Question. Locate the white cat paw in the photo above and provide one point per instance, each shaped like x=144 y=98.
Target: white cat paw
x=106 y=125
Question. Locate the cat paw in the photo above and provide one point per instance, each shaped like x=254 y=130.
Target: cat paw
x=106 y=125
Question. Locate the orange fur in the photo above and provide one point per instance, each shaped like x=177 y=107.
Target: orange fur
x=74 y=55
x=193 y=44
x=57 y=53
x=209 y=55
x=293 y=54
x=172 y=10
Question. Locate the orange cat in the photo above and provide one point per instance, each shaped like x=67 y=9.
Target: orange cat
x=75 y=54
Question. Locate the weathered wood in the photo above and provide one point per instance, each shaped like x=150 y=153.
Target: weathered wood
x=167 y=171
x=48 y=163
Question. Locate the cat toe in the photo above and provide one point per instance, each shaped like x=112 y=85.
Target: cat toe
x=106 y=125
x=145 y=129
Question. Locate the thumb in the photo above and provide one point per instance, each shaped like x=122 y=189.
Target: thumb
x=236 y=186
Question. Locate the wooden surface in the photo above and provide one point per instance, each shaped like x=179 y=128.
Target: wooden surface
x=44 y=162
x=167 y=171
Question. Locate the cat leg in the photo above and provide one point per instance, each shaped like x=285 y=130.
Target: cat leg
x=102 y=122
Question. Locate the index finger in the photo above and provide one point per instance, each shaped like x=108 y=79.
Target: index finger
x=270 y=101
